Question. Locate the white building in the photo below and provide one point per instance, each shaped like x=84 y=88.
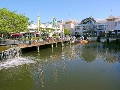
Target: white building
x=69 y=24
x=95 y=27
x=48 y=28
x=32 y=27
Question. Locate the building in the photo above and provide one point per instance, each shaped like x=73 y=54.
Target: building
x=48 y=29
x=95 y=27
x=32 y=27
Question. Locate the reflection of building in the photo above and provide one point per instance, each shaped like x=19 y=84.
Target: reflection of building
x=95 y=27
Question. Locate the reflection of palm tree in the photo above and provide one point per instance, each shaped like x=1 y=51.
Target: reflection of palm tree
x=109 y=56
x=109 y=53
x=88 y=54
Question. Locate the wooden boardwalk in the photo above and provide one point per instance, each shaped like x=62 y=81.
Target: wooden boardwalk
x=36 y=44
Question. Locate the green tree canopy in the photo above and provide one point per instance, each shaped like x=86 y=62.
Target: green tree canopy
x=11 y=22
x=67 y=32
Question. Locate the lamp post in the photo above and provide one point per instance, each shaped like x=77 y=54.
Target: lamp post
x=38 y=23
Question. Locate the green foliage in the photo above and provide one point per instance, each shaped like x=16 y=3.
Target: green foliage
x=12 y=22
x=48 y=29
x=55 y=35
x=67 y=32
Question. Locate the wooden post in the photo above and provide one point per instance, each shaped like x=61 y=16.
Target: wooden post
x=52 y=45
x=62 y=48
x=108 y=40
x=70 y=43
x=62 y=44
x=38 y=49
x=56 y=44
x=18 y=53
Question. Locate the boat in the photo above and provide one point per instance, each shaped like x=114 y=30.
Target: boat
x=84 y=41
x=72 y=41
x=81 y=41
x=77 y=41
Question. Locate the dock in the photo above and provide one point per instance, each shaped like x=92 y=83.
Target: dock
x=23 y=45
x=41 y=43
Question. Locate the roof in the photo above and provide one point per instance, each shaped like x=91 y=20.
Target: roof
x=113 y=18
x=117 y=20
x=101 y=21
x=110 y=17
x=32 y=26
x=118 y=17
x=89 y=19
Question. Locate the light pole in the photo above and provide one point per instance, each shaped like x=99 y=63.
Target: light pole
x=38 y=23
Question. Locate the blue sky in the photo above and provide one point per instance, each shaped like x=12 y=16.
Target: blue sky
x=63 y=9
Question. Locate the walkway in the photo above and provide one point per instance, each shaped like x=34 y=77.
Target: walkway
x=45 y=42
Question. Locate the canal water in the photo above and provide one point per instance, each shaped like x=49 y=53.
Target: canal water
x=72 y=67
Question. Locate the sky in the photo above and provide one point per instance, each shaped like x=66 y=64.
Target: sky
x=63 y=9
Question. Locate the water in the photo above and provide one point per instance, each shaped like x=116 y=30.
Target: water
x=75 y=67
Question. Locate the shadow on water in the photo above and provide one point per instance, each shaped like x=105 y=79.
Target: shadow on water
x=46 y=52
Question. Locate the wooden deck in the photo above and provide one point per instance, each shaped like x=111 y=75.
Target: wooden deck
x=35 y=44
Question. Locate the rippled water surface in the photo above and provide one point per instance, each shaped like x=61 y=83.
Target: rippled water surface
x=75 y=67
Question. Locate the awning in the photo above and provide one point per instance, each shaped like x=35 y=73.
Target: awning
x=17 y=34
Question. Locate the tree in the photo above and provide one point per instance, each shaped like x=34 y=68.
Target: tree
x=11 y=22
x=67 y=32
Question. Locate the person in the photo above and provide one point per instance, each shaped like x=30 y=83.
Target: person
x=0 y=40
x=85 y=37
x=35 y=42
x=82 y=38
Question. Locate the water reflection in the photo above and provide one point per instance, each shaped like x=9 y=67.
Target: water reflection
x=75 y=67
x=18 y=78
x=48 y=72
x=89 y=53
x=93 y=52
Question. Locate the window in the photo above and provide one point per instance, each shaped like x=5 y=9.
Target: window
x=118 y=22
x=101 y=27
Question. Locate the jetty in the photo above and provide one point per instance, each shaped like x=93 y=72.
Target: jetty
x=18 y=46
x=36 y=43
